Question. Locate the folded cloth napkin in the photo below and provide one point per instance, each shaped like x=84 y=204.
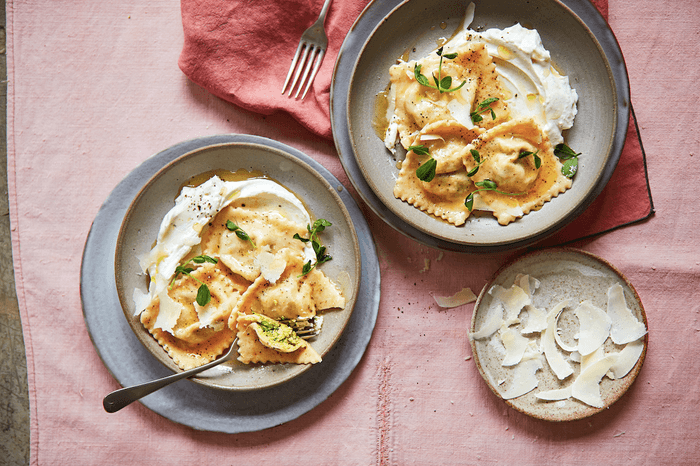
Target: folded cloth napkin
x=240 y=51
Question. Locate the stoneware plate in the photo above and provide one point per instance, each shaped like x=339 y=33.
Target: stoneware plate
x=203 y=406
x=582 y=46
x=142 y=221
x=563 y=273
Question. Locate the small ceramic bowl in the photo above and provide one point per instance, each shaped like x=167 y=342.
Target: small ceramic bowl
x=588 y=55
x=563 y=274
x=142 y=222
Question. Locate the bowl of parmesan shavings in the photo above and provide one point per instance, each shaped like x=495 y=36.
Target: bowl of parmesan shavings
x=238 y=243
x=559 y=334
x=482 y=127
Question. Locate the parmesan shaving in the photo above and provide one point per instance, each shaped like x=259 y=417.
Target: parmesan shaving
x=626 y=359
x=625 y=327
x=168 y=313
x=514 y=299
x=494 y=321
x=594 y=327
x=524 y=379
x=586 y=387
x=465 y=296
x=515 y=345
x=536 y=320
x=555 y=395
x=556 y=361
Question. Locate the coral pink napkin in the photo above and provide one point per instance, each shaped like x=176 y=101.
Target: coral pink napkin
x=241 y=52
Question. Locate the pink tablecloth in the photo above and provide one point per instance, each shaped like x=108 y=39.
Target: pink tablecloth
x=95 y=89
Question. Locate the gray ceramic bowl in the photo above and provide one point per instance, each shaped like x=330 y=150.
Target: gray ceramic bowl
x=581 y=45
x=563 y=273
x=142 y=221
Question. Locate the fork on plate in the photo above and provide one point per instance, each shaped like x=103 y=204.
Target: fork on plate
x=312 y=45
x=306 y=328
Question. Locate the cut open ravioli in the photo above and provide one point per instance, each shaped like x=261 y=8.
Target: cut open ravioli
x=295 y=295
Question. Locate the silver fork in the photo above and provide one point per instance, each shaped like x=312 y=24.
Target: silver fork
x=118 y=399
x=313 y=43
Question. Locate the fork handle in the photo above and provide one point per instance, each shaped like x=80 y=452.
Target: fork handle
x=123 y=397
x=324 y=10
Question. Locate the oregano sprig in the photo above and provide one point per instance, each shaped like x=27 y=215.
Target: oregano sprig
x=569 y=159
x=485 y=185
x=484 y=106
x=319 y=249
x=239 y=232
x=441 y=84
x=203 y=293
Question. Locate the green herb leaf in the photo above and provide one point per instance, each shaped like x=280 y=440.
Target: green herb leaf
x=570 y=167
x=239 y=232
x=485 y=185
x=484 y=106
x=469 y=201
x=569 y=157
x=204 y=258
x=564 y=152
x=203 y=295
x=420 y=77
x=319 y=249
x=537 y=159
x=419 y=150
x=426 y=172
x=441 y=84
x=477 y=158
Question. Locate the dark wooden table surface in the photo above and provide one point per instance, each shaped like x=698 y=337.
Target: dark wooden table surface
x=14 y=400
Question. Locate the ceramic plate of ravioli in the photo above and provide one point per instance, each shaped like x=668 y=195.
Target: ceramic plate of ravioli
x=582 y=47
x=541 y=339
x=240 y=162
x=197 y=405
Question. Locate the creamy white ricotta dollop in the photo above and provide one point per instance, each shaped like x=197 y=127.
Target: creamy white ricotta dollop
x=181 y=228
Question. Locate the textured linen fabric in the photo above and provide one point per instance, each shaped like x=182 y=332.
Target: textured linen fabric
x=95 y=89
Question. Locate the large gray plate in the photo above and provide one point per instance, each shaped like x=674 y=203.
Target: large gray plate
x=193 y=404
x=581 y=44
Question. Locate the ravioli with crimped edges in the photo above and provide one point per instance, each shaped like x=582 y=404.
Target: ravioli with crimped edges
x=469 y=144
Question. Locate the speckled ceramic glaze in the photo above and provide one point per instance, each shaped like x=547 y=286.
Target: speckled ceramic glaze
x=581 y=45
x=563 y=273
x=142 y=221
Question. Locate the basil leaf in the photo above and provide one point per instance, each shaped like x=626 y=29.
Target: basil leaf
x=473 y=171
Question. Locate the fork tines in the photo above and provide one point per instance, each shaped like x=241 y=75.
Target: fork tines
x=309 y=51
